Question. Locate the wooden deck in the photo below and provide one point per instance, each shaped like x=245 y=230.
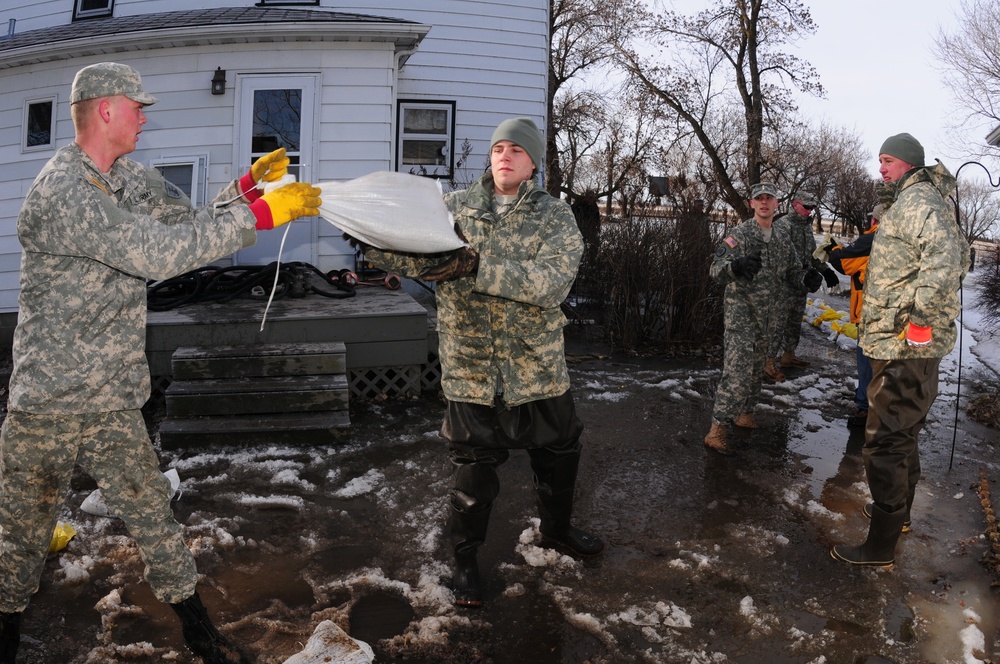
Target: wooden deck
x=381 y=329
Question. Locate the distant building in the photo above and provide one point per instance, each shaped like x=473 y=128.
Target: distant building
x=993 y=138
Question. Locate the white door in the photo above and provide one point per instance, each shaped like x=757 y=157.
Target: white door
x=279 y=111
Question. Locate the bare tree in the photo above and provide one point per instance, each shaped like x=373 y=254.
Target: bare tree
x=971 y=58
x=978 y=210
x=724 y=62
x=573 y=49
x=581 y=121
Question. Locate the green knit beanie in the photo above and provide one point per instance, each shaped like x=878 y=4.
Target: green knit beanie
x=904 y=146
x=523 y=132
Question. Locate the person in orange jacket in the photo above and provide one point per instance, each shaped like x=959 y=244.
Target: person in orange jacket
x=852 y=260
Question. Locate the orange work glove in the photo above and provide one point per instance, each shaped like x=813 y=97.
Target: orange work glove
x=278 y=207
x=916 y=335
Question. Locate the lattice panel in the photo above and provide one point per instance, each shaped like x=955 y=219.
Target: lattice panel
x=390 y=381
x=430 y=373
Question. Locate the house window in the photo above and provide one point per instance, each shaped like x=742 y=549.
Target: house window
x=39 y=124
x=188 y=173
x=426 y=138
x=92 y=8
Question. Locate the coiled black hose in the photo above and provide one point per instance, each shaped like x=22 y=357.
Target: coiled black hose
x=222 y=284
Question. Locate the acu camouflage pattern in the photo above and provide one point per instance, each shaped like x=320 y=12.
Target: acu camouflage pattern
x=918 y=260
x=90 y=240
x=37 y=457
x=794 y=299
x=501 y=330
x=752 y=312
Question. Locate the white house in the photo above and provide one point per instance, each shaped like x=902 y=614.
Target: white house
x=348 y=87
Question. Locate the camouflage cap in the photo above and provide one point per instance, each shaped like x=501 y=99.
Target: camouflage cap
x=762 y=188
x=108 y=79
x=807 y=200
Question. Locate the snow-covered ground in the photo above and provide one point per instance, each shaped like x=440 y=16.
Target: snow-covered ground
x=708 y=559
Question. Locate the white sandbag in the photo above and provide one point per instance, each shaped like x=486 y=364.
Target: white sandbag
x=94 y=503
x=389 y=210
x=328 y=644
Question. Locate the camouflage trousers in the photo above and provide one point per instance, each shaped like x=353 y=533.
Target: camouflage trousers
x=789 y=334
x=745 y=349
x=37 y=457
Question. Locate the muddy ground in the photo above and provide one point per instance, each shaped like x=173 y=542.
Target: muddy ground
x=709 y=559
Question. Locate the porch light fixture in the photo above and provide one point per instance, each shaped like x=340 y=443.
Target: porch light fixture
x=219 y=82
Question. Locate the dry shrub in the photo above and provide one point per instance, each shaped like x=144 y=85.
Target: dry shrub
x=652 y=284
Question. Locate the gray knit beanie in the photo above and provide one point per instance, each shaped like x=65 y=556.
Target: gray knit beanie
x=523 y=132
x=904 y=146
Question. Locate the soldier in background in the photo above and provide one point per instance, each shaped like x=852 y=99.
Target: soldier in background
x=918 y=260
x=852 y=260
x=95 y=225
x=503 y=361
x=756 y=263
x=799 y=223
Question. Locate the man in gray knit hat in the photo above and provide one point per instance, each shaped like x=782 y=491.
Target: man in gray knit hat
x=503 y=361
x=94 y=225
x=918 y=260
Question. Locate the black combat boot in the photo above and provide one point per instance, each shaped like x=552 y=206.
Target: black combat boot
x=555 y=479
x=879 y=548
x=468 y=532
x=201 y=636
x=10 y=636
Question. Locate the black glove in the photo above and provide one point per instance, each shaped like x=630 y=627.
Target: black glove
x=355 y=243
x=462 y=262
x=747 y=266
x=831 y=278
x=813 y=280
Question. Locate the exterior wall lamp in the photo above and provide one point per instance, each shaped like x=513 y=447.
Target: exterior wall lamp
x=219 y=82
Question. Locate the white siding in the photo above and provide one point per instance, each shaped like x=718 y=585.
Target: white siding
x=488 y=57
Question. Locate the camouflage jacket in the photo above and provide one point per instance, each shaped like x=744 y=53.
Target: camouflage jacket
x=89 y=242
x=803 y=239
x=500 y=331
x=781 y=270
x=918 y=260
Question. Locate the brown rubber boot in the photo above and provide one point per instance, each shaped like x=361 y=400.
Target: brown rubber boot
x=746 y=421
x=790 y=361
x=716 y=439
x=772 y=371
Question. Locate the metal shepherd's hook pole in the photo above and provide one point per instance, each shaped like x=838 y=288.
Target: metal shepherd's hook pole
x=961 y=303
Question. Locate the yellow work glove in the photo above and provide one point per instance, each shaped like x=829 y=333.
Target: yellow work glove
x=269 y=168
x=278 y=207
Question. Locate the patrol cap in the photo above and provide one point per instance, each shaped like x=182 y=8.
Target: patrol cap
x=807 y=200
x=108 y=79
x=762 y=188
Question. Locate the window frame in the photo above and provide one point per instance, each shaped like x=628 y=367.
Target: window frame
x=199 y=174
x=82 y=14
x=54 y=101
x=444 y=171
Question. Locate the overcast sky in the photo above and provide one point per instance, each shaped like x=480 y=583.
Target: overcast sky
x=875 y=59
